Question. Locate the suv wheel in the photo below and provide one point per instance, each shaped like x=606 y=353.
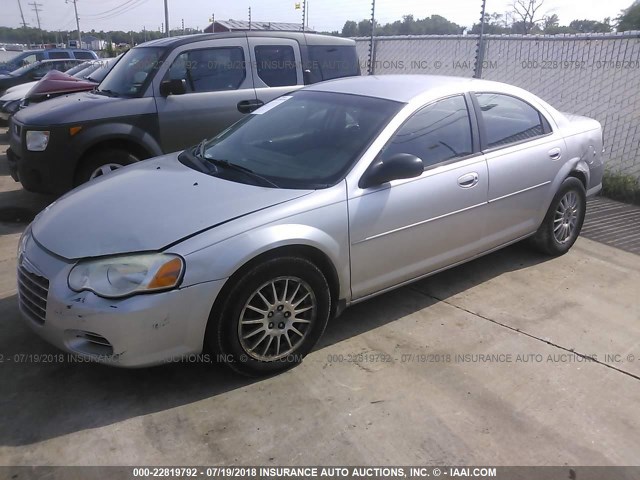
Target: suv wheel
x=101 y=163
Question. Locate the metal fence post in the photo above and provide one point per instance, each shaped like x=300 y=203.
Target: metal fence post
x=372 y=57
x=477 y=71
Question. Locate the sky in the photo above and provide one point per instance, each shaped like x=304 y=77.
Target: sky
x=324 y=15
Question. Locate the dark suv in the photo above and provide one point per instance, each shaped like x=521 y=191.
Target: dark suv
x=163 y=96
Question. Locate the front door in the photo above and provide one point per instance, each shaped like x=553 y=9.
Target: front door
x=218 y=83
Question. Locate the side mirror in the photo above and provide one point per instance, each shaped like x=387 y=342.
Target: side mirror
x=173 y=87
x=306 y=76
x=402 y=165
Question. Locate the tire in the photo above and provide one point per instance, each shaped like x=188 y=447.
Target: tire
x=261 y=347
x=563 y=221
x=109 y=157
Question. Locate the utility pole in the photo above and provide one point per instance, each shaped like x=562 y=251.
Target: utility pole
x=166 y=19
x=249 y=18
x=75 y=7
x=24 y=24
x=183 y=26
x=304 y=13
x=36 y=8
x=213 y=23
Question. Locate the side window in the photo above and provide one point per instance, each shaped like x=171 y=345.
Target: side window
x=276 y=65
x=41 y=70
x=438 y=132
x=83 y=55
x=29 y=59
x=508 y=119
x=55 y=55
x=210 y=70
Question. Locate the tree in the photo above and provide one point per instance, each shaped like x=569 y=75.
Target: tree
x=629 y=19
x=591 y=26
x=494 y=23
x=364 y=28
x=350 y=29
x=527 y=15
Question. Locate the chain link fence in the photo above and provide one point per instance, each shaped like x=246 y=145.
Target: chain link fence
x=597 y=75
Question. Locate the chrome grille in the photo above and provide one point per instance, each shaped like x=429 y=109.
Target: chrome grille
x=32 y=294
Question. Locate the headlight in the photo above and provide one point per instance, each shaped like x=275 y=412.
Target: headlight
x=11 y=107
x=122 y=276
x=37 y=140
x=23 y=241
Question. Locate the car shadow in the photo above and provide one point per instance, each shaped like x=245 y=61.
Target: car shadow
x=45 y=398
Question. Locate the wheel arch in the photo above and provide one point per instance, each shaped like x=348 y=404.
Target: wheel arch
x=116 y=135
x=311 y=253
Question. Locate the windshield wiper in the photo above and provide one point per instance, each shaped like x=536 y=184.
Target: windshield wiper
x=199 y=153
x=239 y=168
x=109 y=92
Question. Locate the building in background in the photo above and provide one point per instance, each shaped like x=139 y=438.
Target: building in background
x=243 y=26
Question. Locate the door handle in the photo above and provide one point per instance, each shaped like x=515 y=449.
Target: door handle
x=555 y=154
x=468 y=180
x=248 y=106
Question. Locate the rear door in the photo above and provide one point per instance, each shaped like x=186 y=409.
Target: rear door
x=218 y=84
x=407 y=228
x=276 y=65
x=523 y=155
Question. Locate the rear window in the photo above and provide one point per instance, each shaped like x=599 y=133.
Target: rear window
x=83 y=55
x=332 y=61
x=55 y=55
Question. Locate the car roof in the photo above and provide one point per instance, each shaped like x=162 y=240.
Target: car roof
x=302 y=37
x=404 y=88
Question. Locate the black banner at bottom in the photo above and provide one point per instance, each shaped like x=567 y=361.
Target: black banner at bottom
x=334 y=472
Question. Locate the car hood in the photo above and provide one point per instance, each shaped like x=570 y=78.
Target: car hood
x=18 y=92
x=146 y=207
x=77 y=107
x=58 y=82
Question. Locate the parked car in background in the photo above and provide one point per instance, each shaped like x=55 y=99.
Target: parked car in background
x=165 y=95
x=33 y=71
x=83 y=77
x=250 y=242
x=22 y=59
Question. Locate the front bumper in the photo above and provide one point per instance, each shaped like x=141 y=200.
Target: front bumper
x=138 y=331
x=50 y=171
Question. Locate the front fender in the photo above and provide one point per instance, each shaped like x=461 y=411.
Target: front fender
x=93 y=135
x=222 y=260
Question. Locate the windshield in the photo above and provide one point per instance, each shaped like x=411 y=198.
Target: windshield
x=303 y=140
x=128 y=77
x=101 y=72
x=85 y=72
x=23 y=70
x=78 y=68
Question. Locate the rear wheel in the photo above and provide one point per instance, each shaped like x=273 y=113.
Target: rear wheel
x=563 y=221
x=272 y=317
x=102 y=163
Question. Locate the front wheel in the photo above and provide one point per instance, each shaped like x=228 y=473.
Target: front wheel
x=272 y=316
x=563 y=221
x=102 y=163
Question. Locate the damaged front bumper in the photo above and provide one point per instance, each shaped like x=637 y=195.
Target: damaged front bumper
x=138 y=331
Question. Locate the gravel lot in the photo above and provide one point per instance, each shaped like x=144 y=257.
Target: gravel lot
x=439 y=399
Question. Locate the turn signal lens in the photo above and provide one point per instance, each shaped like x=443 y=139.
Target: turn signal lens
x=167 y=276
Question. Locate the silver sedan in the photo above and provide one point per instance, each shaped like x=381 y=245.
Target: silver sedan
x=246 y=244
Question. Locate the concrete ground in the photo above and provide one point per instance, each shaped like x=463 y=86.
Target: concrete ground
x=477 y=365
